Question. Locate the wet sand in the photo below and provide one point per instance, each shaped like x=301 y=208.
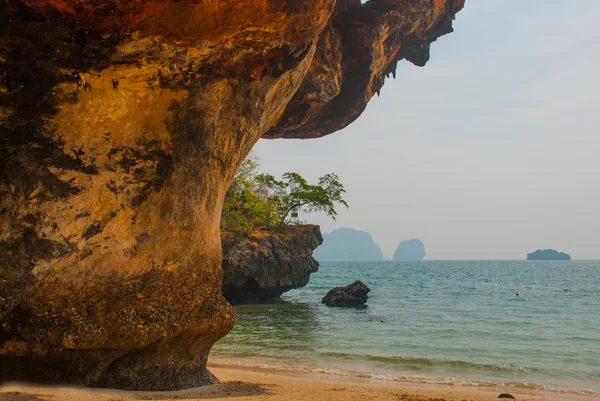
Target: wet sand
x=254 y=385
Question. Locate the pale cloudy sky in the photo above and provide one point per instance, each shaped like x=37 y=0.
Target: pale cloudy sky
x=489 y=152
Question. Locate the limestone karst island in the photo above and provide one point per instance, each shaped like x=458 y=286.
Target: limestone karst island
x=548 y=254
x=150 y=250
x=348 y=244
x=410 y=250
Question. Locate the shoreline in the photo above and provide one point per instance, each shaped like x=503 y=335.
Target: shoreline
x=401 y=379
x=252 y=384
x=459 y=324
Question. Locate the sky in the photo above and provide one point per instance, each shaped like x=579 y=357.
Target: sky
x=491 y=151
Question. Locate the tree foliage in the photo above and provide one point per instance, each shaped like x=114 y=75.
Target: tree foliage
x=257 y=199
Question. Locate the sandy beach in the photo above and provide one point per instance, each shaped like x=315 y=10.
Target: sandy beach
x=254 y=384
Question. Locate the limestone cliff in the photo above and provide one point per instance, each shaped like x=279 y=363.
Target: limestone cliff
x=410 y=250
x=348 y=244
x=268 y=262
x=122 y=124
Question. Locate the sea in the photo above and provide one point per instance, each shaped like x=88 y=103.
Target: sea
x=447 y=322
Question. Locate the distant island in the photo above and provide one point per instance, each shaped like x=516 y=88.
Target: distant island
x=548 y=254
x=348 y=244
x=410 y=250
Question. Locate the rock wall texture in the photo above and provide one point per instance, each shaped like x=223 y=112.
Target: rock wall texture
x=122 y=124
x=268 y=262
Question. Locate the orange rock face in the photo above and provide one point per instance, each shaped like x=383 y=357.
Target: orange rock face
x=122 y=124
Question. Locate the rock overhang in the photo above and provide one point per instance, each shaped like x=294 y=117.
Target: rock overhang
x=121 y=126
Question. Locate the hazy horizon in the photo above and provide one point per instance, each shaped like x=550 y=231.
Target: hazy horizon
x=388 y=258
x=489 y=152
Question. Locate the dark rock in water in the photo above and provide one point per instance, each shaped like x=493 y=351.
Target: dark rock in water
x=548 y=254
x=348 y=244
x=351 y=295
x=506 y=395
x=268 y=263
x=410 y=250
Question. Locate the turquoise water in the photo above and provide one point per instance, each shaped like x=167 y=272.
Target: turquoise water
x=435 y=321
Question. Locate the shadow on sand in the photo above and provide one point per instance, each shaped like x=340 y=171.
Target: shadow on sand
x=222 y=390
x=228 y=389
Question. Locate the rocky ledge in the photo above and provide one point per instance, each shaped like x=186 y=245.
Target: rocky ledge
x=122 y=124
x=269 y=262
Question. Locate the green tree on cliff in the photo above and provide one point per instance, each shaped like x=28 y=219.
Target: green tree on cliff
x=243 y=208
x=257 y=199
x=298 y=194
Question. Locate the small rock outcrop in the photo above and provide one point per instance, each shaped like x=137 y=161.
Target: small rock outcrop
x=548 y=254
x=410 y=250
x=350 y=295
x=348 y=244
x=508 y=396
x=268 y=262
